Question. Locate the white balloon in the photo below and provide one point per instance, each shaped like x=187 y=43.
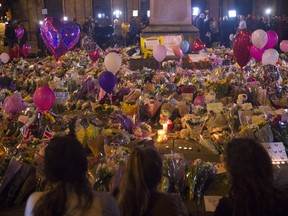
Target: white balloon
x=113 y=62
x=259 y=38
x=231 y=37
x=4 y=57
x=270 y=56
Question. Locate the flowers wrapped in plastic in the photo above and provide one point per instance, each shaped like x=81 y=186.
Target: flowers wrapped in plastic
x=197 y=176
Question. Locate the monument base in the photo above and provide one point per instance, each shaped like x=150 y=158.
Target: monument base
x=189 y=32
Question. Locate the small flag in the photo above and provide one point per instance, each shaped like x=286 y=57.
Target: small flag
x=47 y=135
x=26 y=133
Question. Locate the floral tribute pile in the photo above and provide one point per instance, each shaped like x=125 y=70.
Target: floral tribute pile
x=111 y=115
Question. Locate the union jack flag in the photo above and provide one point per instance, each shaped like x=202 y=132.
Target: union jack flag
x=26 y=133
x=47 y=135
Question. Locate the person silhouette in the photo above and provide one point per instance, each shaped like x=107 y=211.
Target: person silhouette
x=253 y=191
x=138 y=193
x=65 y=167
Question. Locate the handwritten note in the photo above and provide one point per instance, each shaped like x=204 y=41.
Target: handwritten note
x=61 y=97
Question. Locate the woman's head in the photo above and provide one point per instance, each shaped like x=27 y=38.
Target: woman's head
x=65 y=160
x=142 y=175
x=248 y=161
x=145 y=164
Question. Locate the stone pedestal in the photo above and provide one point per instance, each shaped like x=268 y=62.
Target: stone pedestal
x=171 y=17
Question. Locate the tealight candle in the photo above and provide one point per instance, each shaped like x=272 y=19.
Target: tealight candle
x=161 y=136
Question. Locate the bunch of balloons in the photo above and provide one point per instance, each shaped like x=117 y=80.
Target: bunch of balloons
x=262 y=48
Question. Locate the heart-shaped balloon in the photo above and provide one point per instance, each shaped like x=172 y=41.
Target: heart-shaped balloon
x=94 y=55
x=19 y=33
x=59 y=37
x=198 y=45
x=241 y=47
x=26 y=49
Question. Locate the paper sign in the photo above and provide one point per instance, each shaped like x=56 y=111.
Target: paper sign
x=276 y=151
x=211 y=202
x=198 y=57
x=215 y=107
x=61 y=97
x=170 y=41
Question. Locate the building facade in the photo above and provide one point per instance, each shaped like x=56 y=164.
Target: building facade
x=30 y=12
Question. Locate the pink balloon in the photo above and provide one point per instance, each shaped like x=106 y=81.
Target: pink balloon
x=19 y=32
x=272 y=39
x=178 y=52
x=284 y=46
x=44 y=98
x=256 y=53
x=94 y=55
x=159 y=53
x=26 y=49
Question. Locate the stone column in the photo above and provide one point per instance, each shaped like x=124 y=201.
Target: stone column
x=171 y=17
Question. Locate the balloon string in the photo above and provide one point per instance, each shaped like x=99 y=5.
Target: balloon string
x=159 y=66
x=110 y=97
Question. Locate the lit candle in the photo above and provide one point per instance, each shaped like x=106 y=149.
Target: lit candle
x=169 y=125
x=161 y=136
x=165 y=127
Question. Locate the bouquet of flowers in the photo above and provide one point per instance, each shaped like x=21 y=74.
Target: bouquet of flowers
x=197 y=176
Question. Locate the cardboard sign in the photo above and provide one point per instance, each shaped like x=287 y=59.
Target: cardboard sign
x=276 y=151
x=147 y=44
x=61 y=97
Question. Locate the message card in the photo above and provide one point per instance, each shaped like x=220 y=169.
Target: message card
x=277 y=152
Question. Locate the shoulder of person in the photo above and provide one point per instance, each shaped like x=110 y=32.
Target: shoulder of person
x=108 y=204
x=169 y=204
x=33 y=198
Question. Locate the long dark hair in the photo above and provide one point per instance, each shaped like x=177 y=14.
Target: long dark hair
x=252 y=191
x=142 y=175
x=65 y=167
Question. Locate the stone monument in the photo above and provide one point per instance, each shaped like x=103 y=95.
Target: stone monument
x=171 y=17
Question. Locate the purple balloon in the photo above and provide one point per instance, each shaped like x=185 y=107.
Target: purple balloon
x=19 y=32
x=107 y=81
x=256 y=53
x=59 y=37
x=272 y=39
